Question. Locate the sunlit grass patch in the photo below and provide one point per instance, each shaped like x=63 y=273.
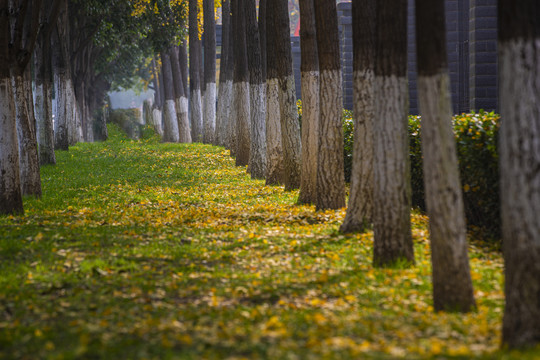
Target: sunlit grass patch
x=151 y=251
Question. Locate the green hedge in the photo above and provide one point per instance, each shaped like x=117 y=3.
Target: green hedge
x=476 y=138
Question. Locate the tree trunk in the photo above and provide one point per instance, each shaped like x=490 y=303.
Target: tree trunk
x=274 y=148
x=360 y=208
x=452 y=284
x=194 y=74
x=157 y=105
x=225 y=78
x=183 y=60
x=61 y=81
x=310 y=103
x=28 y=151
x=45 y=132
x=170 y=121
x=392 y=190
x=10 y=185
x=290 y=128
x=257 y=93
x=241 y=84
x=330 y=169
x=209 y=71
x=519 y=69
x=180 y=99
x=262 y=33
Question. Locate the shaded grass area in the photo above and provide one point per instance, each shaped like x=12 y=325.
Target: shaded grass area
x=142 y=250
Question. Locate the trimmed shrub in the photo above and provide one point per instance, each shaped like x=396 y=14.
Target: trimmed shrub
x=476 y=139
x=128 y=120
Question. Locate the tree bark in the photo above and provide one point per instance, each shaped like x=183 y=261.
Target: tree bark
x=10 y=185
x=28 y=151
x=452 y=284
x=194 y=74
x=157 y=105
x=170 y=121
x=392 y=190
x=241 y=84
x=274 y=148
x=257 y=93
x=209 y=71
x=45 y=132
x=180 y=99
x=183 y=60
x=225 y=78
x=519 y=87
x=330 y=168
x=310 y=103
x=61 y=80
x=290 y=128
x=262 y=33
x=360 y=208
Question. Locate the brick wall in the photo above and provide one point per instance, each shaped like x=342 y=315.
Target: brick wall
x=472 y=54
x=483 y=55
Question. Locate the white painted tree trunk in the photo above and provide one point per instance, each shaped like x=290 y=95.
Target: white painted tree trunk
x=170 y=122
x=209 y=113
x=225 y=113
x=45 y=133
x=452 y=285
x=61 y=120
x=243 y=140
x=392 y=191
x=157 y=121
x=519 y=69
x=28 y=152
x=183 y=121
x=10 y=185
x=274 y=149
x=310 y=137
x=330 y=173
x=257 y=154
x=360 y=207
x=290 y=134
x=196 y=116
x=233 y=123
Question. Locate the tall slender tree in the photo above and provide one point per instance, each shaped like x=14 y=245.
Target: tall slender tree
x=44 y=85
x=10 y=185
x=274 y=148
x=170 y=120
x=360 y=206
x=519 y=87
x=257 y=94
x=157 y=106
x=452 y=284
x=27 y=24
x=290 y=128
x=392 y=190
x=330 y=166
x=62 y=81
x=241 y=84
x=183 y=60
x=310 y=102
x=209 y=118
x=181 y=101
x=194 y=73
x=225 y=77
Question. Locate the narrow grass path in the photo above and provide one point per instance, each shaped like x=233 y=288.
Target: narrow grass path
x=142 y=250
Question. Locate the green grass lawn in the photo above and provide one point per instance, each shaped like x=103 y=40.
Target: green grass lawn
x=142 y=250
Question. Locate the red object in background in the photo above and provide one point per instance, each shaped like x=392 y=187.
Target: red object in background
x=297 y=31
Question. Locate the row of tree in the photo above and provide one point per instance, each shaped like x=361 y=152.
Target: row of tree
x=90 y=45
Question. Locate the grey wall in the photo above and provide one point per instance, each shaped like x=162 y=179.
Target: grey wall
x=472 y=54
